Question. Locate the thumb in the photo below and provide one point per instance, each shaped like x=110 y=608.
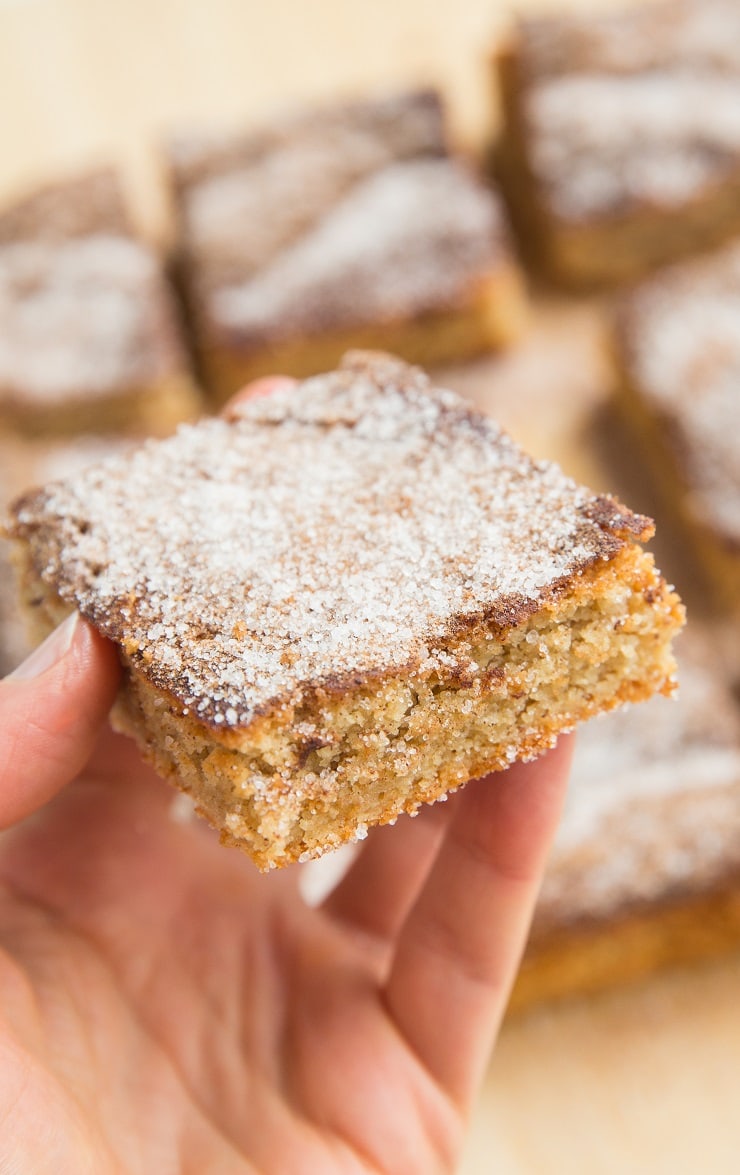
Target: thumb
x=51 y=710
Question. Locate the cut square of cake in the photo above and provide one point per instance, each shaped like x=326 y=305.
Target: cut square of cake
x=90 y=339
x=645 y=869
x=346 y=601
x=621 y=142
x=342 y=226
x=677 y=348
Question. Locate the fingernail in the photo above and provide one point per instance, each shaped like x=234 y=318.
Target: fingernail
x=49 y=653
x=257 y=390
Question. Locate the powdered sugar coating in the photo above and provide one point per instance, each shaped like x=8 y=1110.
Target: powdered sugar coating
x=87 y=317
x=699 y=34
x=640 y=106
x=331 y=534
x=603 y=144
x=237 y=193
x=24 y=464
x=654 y=800
x=408 y=239
x=387 y=224
x=680 y=336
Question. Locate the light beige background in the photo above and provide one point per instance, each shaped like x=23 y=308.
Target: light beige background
x=643 y=1081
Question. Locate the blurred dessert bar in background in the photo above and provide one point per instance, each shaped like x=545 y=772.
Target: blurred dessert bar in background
x=677 y=347
x=645 y=871
x=621 y=140
x=89 y=332
x=347 y=225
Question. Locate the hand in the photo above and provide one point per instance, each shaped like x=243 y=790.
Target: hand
x=166 y=1009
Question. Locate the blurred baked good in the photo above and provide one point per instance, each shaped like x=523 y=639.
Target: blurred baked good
x=89 y=334
x=677 y=350
x=345 y=225
x=645 y=870
x=621 y=141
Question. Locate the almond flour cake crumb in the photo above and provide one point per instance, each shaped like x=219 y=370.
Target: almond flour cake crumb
x=346 y=601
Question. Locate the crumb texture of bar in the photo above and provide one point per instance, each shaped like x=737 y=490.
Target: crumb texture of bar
x=390 y=229
x=343 y=601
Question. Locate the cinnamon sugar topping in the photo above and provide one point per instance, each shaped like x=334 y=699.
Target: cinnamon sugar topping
x=85 y=316
x=328 y=534
x=681 y=333
x=434 y=228
x=388 y=224
x=631 y=107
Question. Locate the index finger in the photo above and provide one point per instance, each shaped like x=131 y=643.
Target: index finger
x=460 y=946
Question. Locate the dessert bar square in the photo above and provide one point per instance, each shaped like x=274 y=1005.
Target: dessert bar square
x=89 y=333
x=391 y=242
x=347 y=600
x=645 y=870
x=677 y=347
x=621 y=144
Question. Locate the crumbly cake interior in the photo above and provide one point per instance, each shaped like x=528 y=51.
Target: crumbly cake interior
x=650 y=781
x=291 y=792
x=319 y=601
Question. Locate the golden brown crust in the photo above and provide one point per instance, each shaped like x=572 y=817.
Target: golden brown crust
x=629 y=948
